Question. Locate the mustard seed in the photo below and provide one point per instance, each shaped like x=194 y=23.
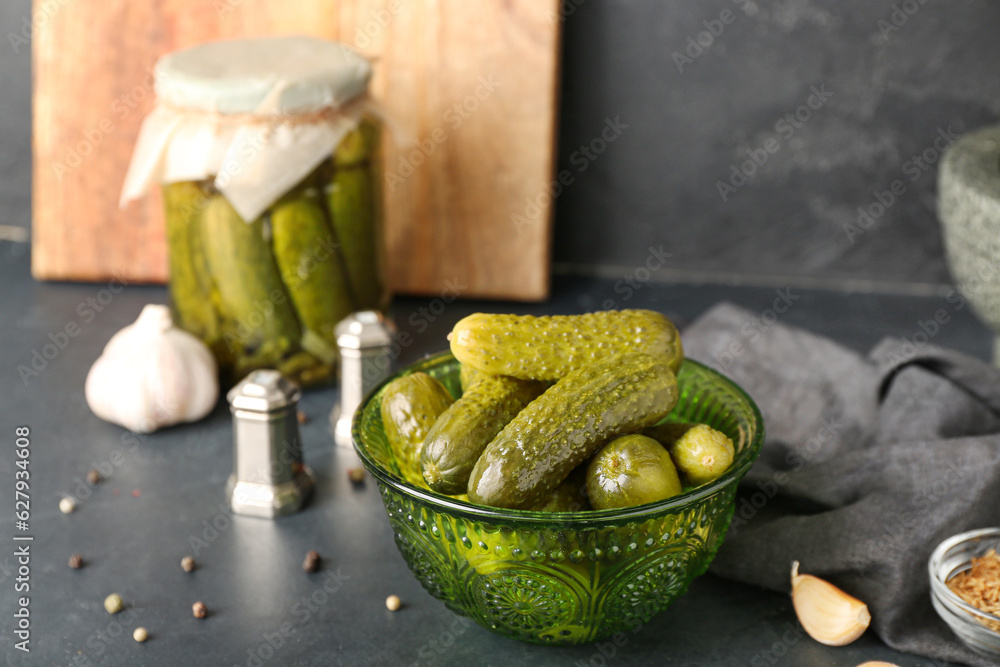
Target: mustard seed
x=140 y=635
x=187 y=563
x=199 y=610
x=113 y=603
x=67 y=505
x=393 y=603
x=76 y=561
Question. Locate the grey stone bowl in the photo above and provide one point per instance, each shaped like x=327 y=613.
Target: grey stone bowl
x=969 y=209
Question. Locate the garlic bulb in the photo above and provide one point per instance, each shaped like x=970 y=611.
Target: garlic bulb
x=828 y=614
x=152 y=374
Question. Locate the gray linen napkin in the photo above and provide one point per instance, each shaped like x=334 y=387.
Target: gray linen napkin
x=869 y=464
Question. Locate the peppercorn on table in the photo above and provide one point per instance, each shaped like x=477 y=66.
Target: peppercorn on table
x=161 y=498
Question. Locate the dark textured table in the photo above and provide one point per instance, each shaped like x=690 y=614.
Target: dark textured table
x=163 y=499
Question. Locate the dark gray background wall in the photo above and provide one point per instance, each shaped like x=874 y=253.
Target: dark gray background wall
x=15 y=115
x=893 y=74
x=657 y=182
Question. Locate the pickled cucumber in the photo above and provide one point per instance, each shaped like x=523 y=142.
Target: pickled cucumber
x=358 y=145
x=305 y=369
x=700 y=452
x=351 y=202
x=570 y=496
x=306 y=255
x=535 y=452
x=468 y=376
x=190 y=279
x=547 y=348
x=459 y=437
x=631 y=470
x=410 y=406
x=250 y=289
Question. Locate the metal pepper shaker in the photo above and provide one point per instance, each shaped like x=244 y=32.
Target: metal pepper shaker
x=364 y=339
x=269 y=477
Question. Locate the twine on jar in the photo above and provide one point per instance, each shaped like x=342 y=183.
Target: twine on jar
x=354 y=108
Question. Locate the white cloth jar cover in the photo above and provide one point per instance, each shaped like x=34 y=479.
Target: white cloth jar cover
x=255 y=115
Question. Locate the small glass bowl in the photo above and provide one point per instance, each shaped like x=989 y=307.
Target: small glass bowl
x=561 y=577
x=950 y=558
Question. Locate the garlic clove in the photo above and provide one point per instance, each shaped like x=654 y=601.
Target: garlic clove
x=828 y=614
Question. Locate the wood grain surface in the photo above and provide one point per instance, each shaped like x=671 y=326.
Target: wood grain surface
x=471 y=88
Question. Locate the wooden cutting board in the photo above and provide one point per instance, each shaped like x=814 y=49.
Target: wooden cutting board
x=472 y=83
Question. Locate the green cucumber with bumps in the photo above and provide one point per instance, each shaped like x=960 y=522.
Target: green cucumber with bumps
x=547 y=348
x=468 y=376
x=250 y=288
x=190 y=279
x=535 y=452
x=351 y=203
x=458 y=438
x=410 y=406
x=631 y=470
x=359 y=145
x=305 y=250
x=570 y=496
x=700 y=452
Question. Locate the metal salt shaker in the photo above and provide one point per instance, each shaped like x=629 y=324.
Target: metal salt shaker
x=364 y=339
x=269 y=478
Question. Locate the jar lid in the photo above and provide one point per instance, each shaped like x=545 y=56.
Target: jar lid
x=265 y=75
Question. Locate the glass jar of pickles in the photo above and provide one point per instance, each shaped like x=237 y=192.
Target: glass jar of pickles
x=266 y=150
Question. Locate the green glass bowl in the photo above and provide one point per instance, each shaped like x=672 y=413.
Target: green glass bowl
x=564 y=578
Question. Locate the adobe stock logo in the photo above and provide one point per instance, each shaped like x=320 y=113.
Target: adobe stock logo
x=918 y=165
x=699 y=44
x=901 y=13
x=704 y=40
x=785 y=127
